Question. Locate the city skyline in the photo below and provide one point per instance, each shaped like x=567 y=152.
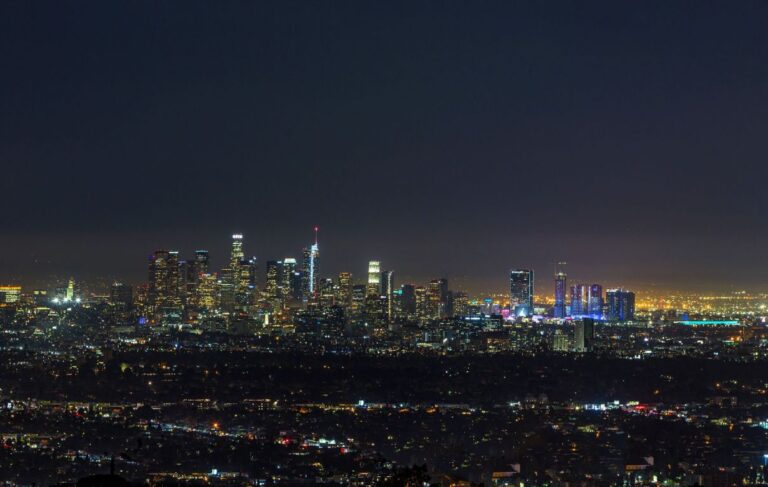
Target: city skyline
x=129 y=272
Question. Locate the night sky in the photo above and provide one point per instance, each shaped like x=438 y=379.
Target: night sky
x=629 y=139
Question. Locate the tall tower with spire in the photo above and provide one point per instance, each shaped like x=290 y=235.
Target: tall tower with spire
x=310 y=267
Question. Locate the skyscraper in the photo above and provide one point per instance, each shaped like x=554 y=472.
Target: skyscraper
x=420 y=296
x=310 y=269
x=460 y=303
x=344 y=297
x=207 y=294
x=434 y=299
x=621 y=305
x=272 y=287
x=231 y=276
x=191 y=271
x=358 y=301
x=560 y=287
x=579 y=300
x=202 y=261
x=386 y=288
x=327 y=293
x=595 y=301
x=164 y=299
x=584 y=335
x=521 y=292
x=374 y=277
x=288 y=279
x=445 y=296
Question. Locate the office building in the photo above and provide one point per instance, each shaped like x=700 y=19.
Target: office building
x=9 y=295
x=560 y=288
x=344 y=296
x=579 y=300
x=620 y=305
x=164 y=297
x=310 y=270
x=595 y=301
x=521 y=292
x=584 y=335
x=386 y=290
x=121 y=295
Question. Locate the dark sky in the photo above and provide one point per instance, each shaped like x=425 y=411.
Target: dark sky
x=443 y=138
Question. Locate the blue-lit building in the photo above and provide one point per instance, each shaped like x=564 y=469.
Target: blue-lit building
x=309 y=272
x=595 y=301
x=621 y=305
x=521 y=292
x=560 y=287
x=579 y=300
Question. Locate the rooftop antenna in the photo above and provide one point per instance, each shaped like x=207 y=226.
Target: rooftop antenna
x=317 y=229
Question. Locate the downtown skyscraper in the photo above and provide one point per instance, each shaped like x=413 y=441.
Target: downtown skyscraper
x=521 y=292
x=560 y=287
x=310 y=271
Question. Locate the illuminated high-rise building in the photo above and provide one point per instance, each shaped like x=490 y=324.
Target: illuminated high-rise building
x=231 y=275
x=238 y=278
x=621 y=305
x=202 y=262
x=460 y=303
x=272 y=287
x=521 y=292
x=207 y=292
x=437 y=298
x=9 y=295
x=420 y=297
x=579 y=300
x=310 y=270
x=190 y=275
x=374 y=278
x=237 y=253
x=560 y=289
x=344 y=296
x=164 y=297
x=386 y=290
x=246 y=286
x=584 y=335
x=287 y=278
x=327 y=293
x=595 y=301
x=69 y=295
x=358 y=301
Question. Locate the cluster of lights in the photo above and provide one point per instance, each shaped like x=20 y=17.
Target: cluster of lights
x=65 y=300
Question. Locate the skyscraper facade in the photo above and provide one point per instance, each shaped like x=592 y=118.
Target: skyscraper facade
x=595 y=301
x=620 y=304
x=560 y=287
x=310 y=270
x=386 y=290
x=344 y=297
x=374 y=277
x=584 y=335
x=164 y=297
x=579 y=300
x=521 y=292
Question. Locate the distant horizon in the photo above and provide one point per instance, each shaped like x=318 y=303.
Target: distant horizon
x=476 y=285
